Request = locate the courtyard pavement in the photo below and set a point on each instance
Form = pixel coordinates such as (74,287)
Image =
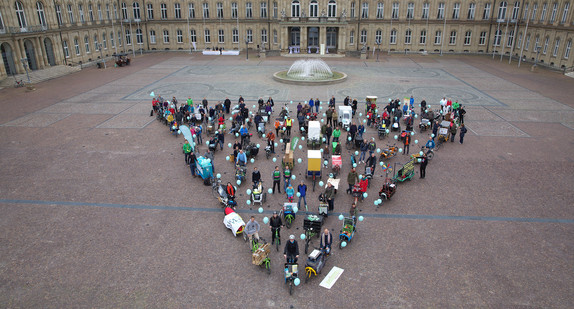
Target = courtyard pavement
(99,209)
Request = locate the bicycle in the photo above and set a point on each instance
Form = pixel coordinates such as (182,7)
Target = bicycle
(277,239)
(255,245)
(288,215)
(18,83)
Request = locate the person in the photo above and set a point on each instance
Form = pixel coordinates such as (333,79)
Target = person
(407,142)
(412,102)
(423,166)
(192,160)
(337,150)
(271,141)
(198,131)
(241,158)
(364,147)
(372,163)
(186,151)
(353,212)
(311,104)
(209,155)
(288,125)
(291,251)
(423,106)
(227,104)
(221,139)
(329,114)
(286,177)
(346,101)
(352,178)
(330,196)
(290,191)
(332,101)
(277,126)
(372,146)
(237,145)
(275,224)
(336,134)
(435,129)
(452,131)
(204,103)
(461,113)
(463,131)
(430,144)
(302,189)
(270,101)
(252,228)
(335,118)
(244,133)
(328,133)
(255,176)
(277,179)
(326,240)
(317,104)
(230,189)
(354,106)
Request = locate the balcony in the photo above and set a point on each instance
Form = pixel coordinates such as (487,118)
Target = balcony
(29,29)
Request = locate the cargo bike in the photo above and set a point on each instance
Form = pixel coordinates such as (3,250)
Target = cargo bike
(347,231)
(312,225)
(313,166)
(315,263)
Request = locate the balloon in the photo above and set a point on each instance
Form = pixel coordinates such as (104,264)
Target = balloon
(260,210)
(307,117)
(419,160)
(322,120)
(421,153)
(270,191)
(416,116)
(229,145)
(265,220)
(300,146)
(276,144)
(381,163)
(264,135)
(295,209)
(321,107)
(230,118)
(253,105)
(400,150)
(360,114)
(361,218)
(218,176)
(227,158)
(321,149)
(387,131)
(349,138)
(348,129)
(303,137)
(152,94)
(364,121)
(325,162)
(432,135)
(376,202)
(341,217)
(321,183)
(360,176)
(248,191)
(416,141)
(356,153)
(291,102)
(412,133)
(297,281)
(285,117)
(238,182)
(299,160)
(324,115)
(258,146)
(248,202)
(274,159)
(252,160)
(378,150)
(365,195)
(178,131)
(343,244)
(379,201)
(207,143)
(324,139)
(396,137)
(293,177)
(298,194)
(354,164)
(303,236)
(281,140)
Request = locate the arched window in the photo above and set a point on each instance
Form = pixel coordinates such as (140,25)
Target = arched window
(295,9)
(502,10)
(408,36)
(76,46)
(497,37)
(124,10)
(41,15)
(87,44)
(136,9)
(313,9)
(378,36)
(96,44)
(20,14)
(332,9)
(66,50)
(363,36)
(139,36)
(393,37)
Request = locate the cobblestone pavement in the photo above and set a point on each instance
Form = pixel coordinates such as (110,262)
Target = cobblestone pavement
(99,209)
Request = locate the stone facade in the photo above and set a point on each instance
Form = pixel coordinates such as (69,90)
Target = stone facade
(44,33)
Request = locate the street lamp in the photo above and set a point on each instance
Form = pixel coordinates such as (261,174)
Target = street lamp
(101,55)
(378,42)
(25,64)
(247,48)
(537,49)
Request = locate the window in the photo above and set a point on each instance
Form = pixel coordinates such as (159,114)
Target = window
(295,9)
(332,9)
(206,11)
(380,10)
(393,37)
(440,13)
(128,37)
(149,11)
(263,10)
(515,11)
(58,15)
(207,36)
(104,42)
(527,42)
(363,36)
(66,51)
(21,15)
(410,10)
(112,39)
(100,15)
(177,10)
(115,11)
(352,13)
(423,37)
(178,36)
(452,38)
(263,35)
(139,36)
(235,36)
(426,7)
(467,36)
(41,15)
(486,12)
(534,9)
(221,36)
(108,16)
(456,11)
(497,37)
(152,36)
(565,15)
(96,45)
(70,13)
(471,10)
(124,11)
(408,36)
(437,37)
(275,36)
(510,38)
(87,44)
(275,10)
(556,46)
(536,43)
(136,10)
(519,39)
(248,10)
(90,12)
(525,15)
(165,37)
(193,36)
(249,35)
(163,10)
(482,38)
(81,12)
(502,10)
(352,37)
(395,11)
(553,14)
(220,9)
(378,36)
(545,49)
(365,10)
(119,38)
(76,46)
(543,13)
(567,51)
(234,10)
(313,9)
(191,10)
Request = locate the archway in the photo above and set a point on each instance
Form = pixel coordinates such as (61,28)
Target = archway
(8,59)
(30,54)
(49,51)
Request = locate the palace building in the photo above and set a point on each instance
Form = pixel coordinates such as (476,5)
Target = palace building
(42,33)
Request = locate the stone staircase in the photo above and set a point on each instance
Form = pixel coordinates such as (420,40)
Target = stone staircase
(40,75)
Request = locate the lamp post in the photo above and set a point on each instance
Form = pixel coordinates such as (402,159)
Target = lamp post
(25,64)
(247,48)
(101,55)
(378,42)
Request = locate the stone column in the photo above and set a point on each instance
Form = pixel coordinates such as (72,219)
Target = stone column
(342,40)
(19,53)
(39,53)
(303,39)
(323,36)
(284,40)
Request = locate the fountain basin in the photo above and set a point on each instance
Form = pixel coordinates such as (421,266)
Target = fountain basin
(337,77)
(309,72)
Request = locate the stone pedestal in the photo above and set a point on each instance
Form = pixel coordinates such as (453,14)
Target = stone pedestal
(363,55)
(262,54)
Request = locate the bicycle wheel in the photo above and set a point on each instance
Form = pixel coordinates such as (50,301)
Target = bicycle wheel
(349,145)
(306,245)
(215,191)
(430,155)
(290,287)
(276,243)
(268,266)
(288,221)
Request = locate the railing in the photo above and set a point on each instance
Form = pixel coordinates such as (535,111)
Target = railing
(28,29)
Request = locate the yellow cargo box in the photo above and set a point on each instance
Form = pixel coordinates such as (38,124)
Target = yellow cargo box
(313,160)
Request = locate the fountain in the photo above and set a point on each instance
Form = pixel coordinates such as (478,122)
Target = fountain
(310,72)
